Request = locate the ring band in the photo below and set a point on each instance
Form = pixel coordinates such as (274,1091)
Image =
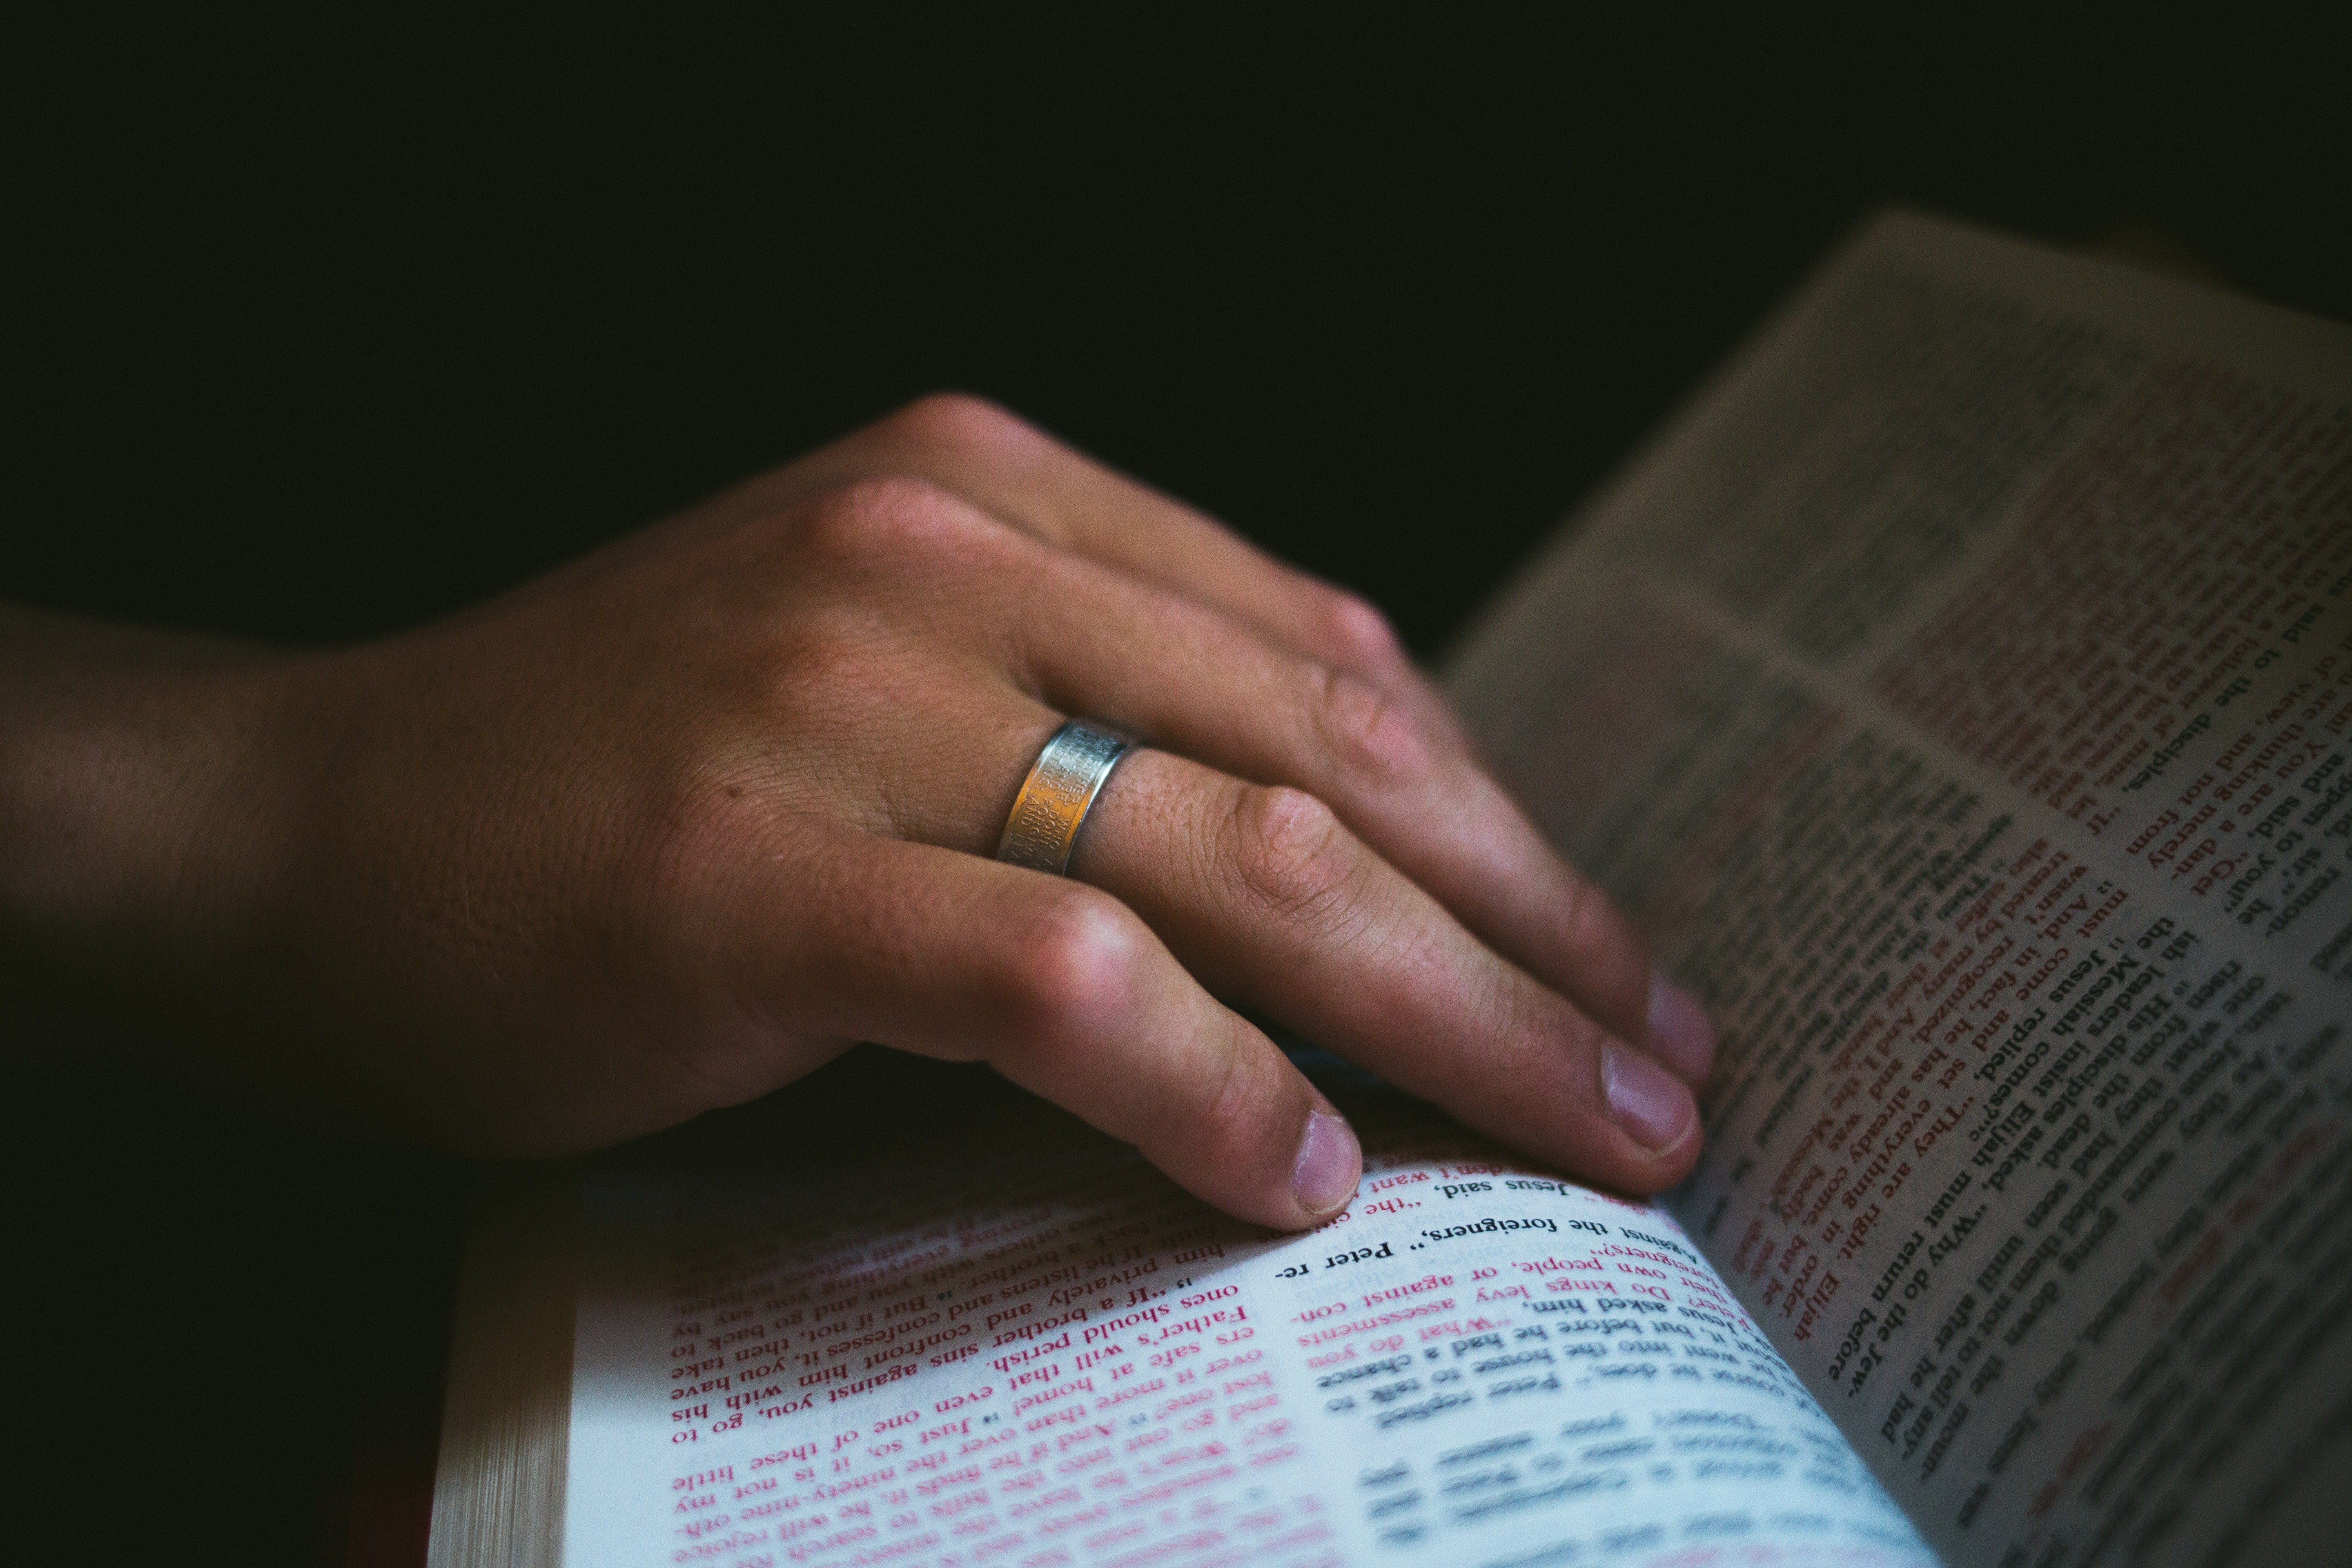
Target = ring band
(1054,798)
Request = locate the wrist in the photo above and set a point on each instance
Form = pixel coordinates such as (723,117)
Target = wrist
(139,781)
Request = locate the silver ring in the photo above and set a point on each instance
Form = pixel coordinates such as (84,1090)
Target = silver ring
(1063,783)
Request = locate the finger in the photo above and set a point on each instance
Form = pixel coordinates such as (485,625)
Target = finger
(1266,896)
(1010,469)
(1207,689)
(1058,987)
(1095,640)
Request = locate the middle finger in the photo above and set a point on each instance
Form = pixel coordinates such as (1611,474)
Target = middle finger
(1212,689)
(1263,893)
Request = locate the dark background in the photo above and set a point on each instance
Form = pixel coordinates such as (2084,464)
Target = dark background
(313,332)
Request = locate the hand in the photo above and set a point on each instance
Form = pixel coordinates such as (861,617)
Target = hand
(679,824)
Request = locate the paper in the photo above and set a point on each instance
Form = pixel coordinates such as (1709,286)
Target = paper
(1058,1357)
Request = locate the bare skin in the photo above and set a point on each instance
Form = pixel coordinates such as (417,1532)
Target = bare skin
(680,823)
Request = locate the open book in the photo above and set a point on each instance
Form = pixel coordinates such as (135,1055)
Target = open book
(1960,696)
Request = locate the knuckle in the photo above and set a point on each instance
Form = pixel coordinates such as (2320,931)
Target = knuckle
(887,518)
(1590,923)
(1367,732)
(958,423)
(1355,626)
(1079,958)
(1287,850)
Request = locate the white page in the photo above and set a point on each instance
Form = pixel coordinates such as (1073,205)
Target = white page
(1960,694)
(1048,1354)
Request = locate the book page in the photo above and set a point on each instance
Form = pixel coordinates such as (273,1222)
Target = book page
(1032,1349)
(1961,697)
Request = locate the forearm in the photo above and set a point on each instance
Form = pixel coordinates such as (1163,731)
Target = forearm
(135,804)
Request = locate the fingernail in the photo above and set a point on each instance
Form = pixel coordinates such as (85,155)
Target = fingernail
(1681,1034)
(1330,1162)
(1650,1103)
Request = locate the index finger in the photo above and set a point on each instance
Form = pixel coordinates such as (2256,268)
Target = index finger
(1023,476)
